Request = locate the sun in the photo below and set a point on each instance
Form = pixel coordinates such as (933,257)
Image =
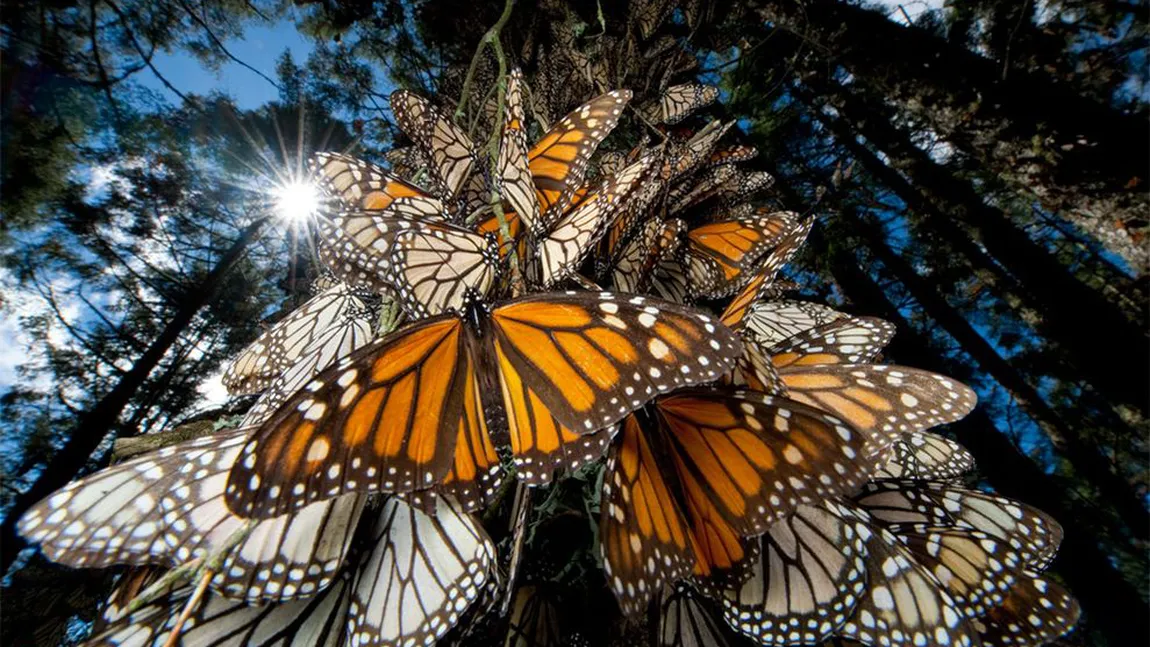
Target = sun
(296,201)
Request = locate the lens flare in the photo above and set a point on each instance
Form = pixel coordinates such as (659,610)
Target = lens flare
(296,201)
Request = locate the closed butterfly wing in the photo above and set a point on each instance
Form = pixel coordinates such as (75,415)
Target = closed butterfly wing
(976,569)
(774,321)
(515,180)
(687,195)
(448,147)
(722,257)
(696,151)
(883,402)
(1034,534)
(669,280)
(679,101)
(733,155)
(854,340)
(903,603)
(319,621)
(336,341)
(593,358)
(643,533)
(361,186)
(258,365)
(925,456)
(384,419)
(348,261)
(421,575)
(806,581)
(685,620)
(434,267)
(575,234)
(166,508)
(658,240)
(558,161)
(1037,611)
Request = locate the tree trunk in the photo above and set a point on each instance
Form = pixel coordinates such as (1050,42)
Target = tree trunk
(98,421)
(1079,156)
(1080,452)
(1076,316)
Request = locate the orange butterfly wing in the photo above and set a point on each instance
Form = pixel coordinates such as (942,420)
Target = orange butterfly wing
(385,419)
(755,458)
(643,533)
(882,402)
(558,161)
(591,358)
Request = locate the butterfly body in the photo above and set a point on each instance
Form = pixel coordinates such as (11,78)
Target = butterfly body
(391,416)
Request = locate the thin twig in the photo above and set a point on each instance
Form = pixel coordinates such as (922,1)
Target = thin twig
(193,602)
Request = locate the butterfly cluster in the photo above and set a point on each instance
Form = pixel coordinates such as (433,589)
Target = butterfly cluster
(563,308)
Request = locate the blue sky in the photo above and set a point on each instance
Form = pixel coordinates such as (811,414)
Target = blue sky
(260,46)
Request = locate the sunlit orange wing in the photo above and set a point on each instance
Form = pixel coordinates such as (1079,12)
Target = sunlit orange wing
(853,340)
(385,419)
(643,533)
(591,358)
(364,186)
(558,161)
(755,458)
(883,402)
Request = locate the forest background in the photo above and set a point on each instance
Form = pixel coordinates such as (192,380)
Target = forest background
(979,169)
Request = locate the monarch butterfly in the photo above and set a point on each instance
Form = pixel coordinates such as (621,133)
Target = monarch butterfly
(450,150)
(688,195)
(686,621)
(733,155)
(362,186)
(633,216)
(558,161)
(678,101)
(773,321)
(534,618)
(337,340)
(682,488)
(1035,612)
(883,402)
(564,248)
(1033,533)
(669,279)
(567,364)
(722,256)
(658,240)
(697,149)
(853,340)
(166,508)
(432,267)
(903,603)
(515,182)
(258,365)
(926,456)
(744,185)
(417,574)
(974,568)
(806,580)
